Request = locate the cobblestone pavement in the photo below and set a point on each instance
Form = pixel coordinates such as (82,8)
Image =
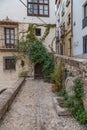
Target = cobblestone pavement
(33,109)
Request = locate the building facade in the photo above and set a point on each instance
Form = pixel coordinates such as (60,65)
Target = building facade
(64,27)
(15,17)
(80,28)
(71,28)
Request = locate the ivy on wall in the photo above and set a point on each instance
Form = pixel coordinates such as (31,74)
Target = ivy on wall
(38,54)
(35,50)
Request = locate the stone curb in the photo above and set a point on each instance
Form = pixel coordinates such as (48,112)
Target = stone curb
(59,110)
(8,95)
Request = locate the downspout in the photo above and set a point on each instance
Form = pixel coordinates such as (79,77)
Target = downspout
(72,25)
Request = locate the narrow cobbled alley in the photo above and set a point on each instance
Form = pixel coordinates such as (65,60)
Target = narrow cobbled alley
(33,109)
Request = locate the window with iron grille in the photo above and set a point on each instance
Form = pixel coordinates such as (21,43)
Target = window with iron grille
(38,8)
(9,63)
(9,37)
(38,31)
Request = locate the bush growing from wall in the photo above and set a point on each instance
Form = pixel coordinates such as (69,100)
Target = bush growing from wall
(75,102)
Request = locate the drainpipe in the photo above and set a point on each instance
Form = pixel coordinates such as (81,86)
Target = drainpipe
(72,24)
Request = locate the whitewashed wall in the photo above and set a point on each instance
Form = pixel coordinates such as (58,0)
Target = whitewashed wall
(78,31)
(15,10)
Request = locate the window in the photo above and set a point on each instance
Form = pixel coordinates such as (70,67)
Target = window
(85,44)
(9,63)
(38,32)
(85,10)
(9,37)
(38,8)
(68,19)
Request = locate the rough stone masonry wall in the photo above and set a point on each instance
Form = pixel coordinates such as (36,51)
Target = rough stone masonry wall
(8,95)
(78,67)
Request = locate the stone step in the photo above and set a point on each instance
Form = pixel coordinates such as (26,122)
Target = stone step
(60,111)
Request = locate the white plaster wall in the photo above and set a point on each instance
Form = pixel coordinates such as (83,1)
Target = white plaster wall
(78,31)
(15,10)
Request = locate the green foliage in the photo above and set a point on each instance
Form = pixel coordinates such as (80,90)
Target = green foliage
(78,89)
(23,74)
(26,40)
(75,102)
(38,54)
(63,93)
(58,75)
(71,74)
(34,49)
(81,116)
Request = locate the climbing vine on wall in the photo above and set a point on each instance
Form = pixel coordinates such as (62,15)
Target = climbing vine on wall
(38,54)
(31,37)
(35,50)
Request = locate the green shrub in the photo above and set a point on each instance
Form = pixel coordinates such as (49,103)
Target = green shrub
(81,116)
(23,74)
(58,75)
(39,54)
(70,74)
(75,102)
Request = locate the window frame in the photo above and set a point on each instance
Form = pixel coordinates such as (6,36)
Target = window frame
(38,14)
(69,19)
(10,44)
(85,44)
(11,66)
(85,6)
(36,32)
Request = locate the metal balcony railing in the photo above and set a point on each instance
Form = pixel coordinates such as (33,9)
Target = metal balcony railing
(3,45)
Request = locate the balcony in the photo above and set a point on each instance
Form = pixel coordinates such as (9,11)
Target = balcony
(84,22)
(7,47)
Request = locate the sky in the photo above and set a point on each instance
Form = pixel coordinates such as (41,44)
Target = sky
(10,8)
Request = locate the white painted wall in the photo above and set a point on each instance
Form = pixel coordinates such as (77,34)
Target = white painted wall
(15,10)
(78,31)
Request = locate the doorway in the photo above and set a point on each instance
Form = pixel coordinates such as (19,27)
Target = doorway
(38,71)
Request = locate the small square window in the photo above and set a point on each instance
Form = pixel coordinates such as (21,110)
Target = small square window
(9,63)
(38,31)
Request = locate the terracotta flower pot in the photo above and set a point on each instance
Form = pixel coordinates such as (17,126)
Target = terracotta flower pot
(54,88)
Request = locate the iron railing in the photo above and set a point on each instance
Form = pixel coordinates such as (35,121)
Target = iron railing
(3,45)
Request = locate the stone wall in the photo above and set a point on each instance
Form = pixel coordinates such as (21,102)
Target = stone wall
(78,67)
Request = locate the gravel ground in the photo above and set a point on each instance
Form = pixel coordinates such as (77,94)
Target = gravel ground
(33,110)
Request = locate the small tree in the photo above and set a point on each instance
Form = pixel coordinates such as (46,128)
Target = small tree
(58,75)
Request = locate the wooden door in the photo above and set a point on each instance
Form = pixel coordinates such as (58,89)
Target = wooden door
(38,71)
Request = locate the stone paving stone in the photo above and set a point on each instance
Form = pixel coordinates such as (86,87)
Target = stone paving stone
(33,110)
